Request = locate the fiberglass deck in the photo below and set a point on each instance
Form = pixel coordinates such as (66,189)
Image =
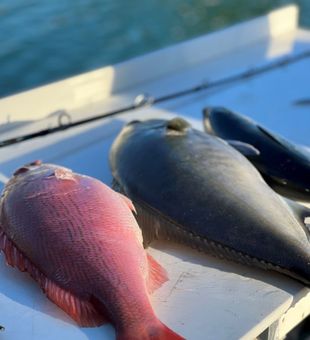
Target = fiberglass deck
(205,298)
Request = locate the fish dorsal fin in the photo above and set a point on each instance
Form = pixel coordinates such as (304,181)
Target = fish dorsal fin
(269,134)
(157,274)
(246,149)
(298,150)
(128,202)
(276,138)
(82,311)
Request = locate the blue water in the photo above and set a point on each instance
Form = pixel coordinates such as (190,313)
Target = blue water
(43,41)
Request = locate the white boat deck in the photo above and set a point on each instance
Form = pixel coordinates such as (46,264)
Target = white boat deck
(205,298)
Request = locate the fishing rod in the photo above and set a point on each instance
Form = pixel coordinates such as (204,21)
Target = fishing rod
(144,100)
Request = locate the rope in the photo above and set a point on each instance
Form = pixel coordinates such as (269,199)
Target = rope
(144,100)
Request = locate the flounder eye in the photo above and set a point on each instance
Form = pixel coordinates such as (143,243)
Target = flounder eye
(178,124)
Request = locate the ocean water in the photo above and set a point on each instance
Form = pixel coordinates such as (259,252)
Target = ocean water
(43,41)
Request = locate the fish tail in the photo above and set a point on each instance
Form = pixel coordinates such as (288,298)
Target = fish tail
(168,334)
(158,332)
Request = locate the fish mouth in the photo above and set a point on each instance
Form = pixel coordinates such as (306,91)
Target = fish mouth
(224,115)
(208,111)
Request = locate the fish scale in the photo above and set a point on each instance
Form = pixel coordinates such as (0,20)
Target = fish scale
(79,240)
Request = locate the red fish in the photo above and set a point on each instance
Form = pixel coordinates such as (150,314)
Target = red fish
(79,240)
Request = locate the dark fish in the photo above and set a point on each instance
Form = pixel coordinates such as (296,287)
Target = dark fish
(194,188)
(80,241)
(302,102)
(285,166)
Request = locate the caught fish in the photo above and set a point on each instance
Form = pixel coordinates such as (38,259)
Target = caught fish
(193,188)
(80,241)
(284,166)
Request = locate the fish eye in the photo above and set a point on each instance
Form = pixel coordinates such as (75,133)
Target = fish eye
(20,170)
(177,124)
(27,167)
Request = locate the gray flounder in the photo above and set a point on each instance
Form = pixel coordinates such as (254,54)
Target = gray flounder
(194,188)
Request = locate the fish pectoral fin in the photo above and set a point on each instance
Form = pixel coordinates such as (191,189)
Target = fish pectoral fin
(246,149)
(82,311)
(157,274)
(271,136)
(128,202)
